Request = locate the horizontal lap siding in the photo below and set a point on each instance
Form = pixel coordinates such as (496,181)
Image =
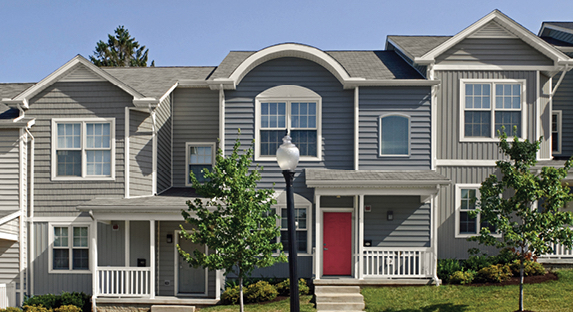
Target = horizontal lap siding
(448,114)
(492,51)
(9,258)
(10,169)
(410,227)
(163,137)
(75,100)
(195,119)
(140,154)
(411,101)
(563,100)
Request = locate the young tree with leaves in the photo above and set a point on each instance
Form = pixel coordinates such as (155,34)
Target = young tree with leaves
(233,218)
(530,220)
(120,50)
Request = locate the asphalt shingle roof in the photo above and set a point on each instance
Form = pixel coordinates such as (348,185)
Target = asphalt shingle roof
(417,46)
(384,177)
(568,25)
(172,199)
(230,63)
(10,90)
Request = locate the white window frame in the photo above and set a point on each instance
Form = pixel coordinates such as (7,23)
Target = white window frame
(380,135)
(288,99)
(187,156)
(491,82)
(83,122)
(70,247)
(559,115)
(278,210)
(458,206)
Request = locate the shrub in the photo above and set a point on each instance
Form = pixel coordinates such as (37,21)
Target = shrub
(284,287)
(461,277)
(476,263)
(34,308)
(495,273)
(505,256)
(48,300)
(78,299)
(447,267)
(68,308)
(260,291)
(11,309)
(530,268)
(231,295)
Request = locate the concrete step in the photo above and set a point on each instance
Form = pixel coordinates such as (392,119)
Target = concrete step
(321,307)
(336,290)
(172,308)
(340,298)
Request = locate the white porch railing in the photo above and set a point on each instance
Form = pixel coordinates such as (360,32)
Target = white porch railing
(397,262)
(7,295)
(123,281)
(559,252)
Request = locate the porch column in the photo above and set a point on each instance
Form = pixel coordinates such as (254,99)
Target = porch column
(94,263)
(434,237)
(127,243)
(152,258)
(356,257)
(319,245)
(361,236)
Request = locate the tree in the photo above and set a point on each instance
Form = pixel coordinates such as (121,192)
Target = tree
(120,51)
(523,225)
(234,219)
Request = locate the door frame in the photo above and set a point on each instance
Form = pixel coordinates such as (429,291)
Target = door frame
(176,271)
(352,238)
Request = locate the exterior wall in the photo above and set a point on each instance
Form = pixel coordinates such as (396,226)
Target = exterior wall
(544,119)
(195,119)
(9,166)
(563,100)
(140,154)
(164,145)
(111,244)
(492,51)
(139,243)
(410,227)
(448,114)
(9,259)
(411,101)
(74,100)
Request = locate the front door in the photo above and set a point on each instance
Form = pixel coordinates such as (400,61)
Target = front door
(337,243)
(190,280)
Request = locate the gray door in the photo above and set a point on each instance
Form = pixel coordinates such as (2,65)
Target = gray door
(190,280)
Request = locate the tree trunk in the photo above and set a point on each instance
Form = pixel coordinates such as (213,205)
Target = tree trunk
(241,302)
(521,266)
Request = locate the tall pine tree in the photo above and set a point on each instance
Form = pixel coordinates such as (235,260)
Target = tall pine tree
(120,50)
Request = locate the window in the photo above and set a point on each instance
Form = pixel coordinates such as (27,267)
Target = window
(288,109)
(556,132)
(70,248)
(199,156)
(394,135)
(487,106)
(301,223)
(466,196)
(83,148)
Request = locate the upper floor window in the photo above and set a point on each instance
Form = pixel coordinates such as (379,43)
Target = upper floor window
(487,106)
(83,148)
(70,250)
(394,135)
(466,197)
(556,132)
(291,109)
(199,156)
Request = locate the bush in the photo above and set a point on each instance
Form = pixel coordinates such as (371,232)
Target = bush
(461,277)
(34,308)
(68,308)
(530,268)
(495,273)
(284,287)
(231,295)
(11,309)
(78,299)
(447,267)
(260,291)
(48,300)
(476,263)
(505,256)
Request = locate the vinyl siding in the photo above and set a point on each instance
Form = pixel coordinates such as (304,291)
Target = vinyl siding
(111,244)
(195,119)
(9,259)
(139,243)
(281,270)
(448,114)
(75,100)
(544,117)
(411,101)
(492,51)
(10,168)
(164,136)
(140,154)
(410,227)
(563,100)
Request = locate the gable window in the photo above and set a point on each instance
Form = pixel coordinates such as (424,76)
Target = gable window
(199,156)
(394,135)
(556,132)
(487,106)
(288,109)
(466,197)
(83,149)
(69,248)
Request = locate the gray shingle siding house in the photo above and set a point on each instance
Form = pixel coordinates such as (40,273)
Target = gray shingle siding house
(394,144)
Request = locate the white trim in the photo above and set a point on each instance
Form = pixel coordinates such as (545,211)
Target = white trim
(352,190)
(356,128)
(10,217)
(176,271)
(430,73)
(70,226)
(168,93)
(538,93)
(299,203)
(353,230)
(153,152)
(126,153)
(457,202)
(492,109)
(380,134)
(94,264)
(554,27)
(152,258)
(559,114)
(221,121)
(62,219)
(318,238)
(83,149)
(495,67)
(466,162)
(360,236)
(196,144)
(392,82)
(127,229)
(10,237)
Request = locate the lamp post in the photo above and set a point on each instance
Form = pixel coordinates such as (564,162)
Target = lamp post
(287,157)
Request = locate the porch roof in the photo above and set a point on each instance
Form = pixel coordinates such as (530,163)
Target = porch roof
(373,178)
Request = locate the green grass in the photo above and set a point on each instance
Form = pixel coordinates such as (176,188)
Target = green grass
(278,306)
(551,296)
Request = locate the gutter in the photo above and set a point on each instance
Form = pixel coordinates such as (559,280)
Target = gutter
(391,82)
(31,253)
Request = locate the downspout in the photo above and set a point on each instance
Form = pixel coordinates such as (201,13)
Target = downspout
(433,112)
(154,151)
(356,128)
(22,206)
(31,248)
(222,119)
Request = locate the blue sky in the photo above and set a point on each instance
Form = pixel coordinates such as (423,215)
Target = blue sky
(37,37)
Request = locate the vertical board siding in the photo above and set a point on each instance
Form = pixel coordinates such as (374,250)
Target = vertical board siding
(53,283)
(140,153)
(544,120)
(448,245)
(139,243)
(75,100)
(10,169)
(410,101)
(563,100)
(448,114)
(410,227)
(195,119)
(111,244)
(492,51)
(163,136)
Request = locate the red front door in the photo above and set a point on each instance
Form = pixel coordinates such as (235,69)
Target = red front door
(337,243)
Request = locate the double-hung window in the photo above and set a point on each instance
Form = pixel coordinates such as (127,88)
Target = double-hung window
(199,156)
(488,106)
(394,135)
(69,248)
(83,148)
(466,197)
(301,224)
(556,132)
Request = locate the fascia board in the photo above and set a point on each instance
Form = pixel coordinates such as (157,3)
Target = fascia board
(10,217)
(192,83)
(226,83)
(145,102)
(392,82)
(384,184)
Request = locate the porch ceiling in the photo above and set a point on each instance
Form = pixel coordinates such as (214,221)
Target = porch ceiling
(317,178)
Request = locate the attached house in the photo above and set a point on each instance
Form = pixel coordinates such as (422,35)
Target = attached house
(394,144)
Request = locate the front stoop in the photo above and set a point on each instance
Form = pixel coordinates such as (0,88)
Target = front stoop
(338,298)
(172,308)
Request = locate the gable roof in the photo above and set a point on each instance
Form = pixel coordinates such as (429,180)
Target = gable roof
(416,46)
(9,115)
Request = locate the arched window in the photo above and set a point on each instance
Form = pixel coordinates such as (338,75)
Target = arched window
(394,135)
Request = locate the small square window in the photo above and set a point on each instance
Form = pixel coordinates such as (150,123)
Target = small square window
(200,156)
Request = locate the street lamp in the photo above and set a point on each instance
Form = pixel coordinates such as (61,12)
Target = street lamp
(287,157)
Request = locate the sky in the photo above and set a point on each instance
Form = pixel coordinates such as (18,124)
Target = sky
(37,37)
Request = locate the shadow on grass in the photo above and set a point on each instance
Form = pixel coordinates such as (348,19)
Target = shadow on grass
(443,307)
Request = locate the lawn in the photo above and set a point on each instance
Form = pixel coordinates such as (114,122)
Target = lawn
(277,306)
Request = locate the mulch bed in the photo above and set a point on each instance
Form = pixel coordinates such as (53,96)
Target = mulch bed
(526,280)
